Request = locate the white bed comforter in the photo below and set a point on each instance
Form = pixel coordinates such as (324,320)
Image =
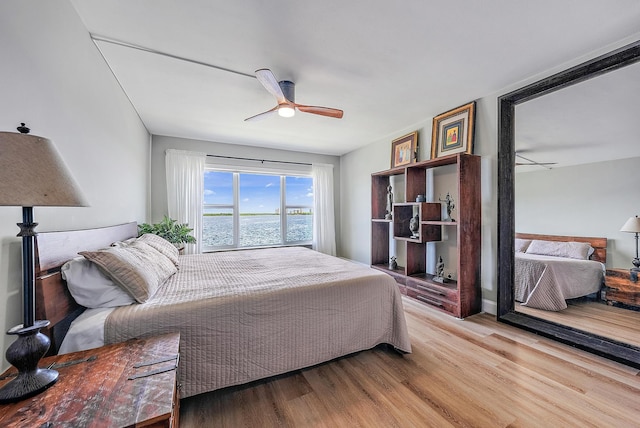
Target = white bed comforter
(545,282)
(246,315)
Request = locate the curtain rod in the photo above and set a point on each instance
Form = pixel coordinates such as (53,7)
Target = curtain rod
(258,160)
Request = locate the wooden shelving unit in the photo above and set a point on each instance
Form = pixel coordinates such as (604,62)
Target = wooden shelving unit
(460,296)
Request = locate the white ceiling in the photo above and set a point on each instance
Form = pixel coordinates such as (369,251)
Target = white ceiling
(592,121)
(388,65)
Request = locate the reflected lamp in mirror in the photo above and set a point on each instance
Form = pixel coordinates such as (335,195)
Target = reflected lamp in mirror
(633,226)
(32,173)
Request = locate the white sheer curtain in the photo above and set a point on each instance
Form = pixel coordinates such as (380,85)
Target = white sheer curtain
(324,230)
(185,190)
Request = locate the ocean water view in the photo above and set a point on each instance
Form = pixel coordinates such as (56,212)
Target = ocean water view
(255,230)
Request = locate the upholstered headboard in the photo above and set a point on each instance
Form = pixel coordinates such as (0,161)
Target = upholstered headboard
(52,250)
(599,244)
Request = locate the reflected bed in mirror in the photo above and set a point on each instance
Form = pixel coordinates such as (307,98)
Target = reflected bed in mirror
(578,120)
(551,270)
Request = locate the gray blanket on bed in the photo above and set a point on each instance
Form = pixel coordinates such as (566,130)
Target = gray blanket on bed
(546,282)
(246,315)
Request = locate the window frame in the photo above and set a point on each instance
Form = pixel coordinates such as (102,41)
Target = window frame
(235,205)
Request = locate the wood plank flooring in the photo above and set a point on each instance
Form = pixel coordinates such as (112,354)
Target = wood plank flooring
(462,373)
(596,317)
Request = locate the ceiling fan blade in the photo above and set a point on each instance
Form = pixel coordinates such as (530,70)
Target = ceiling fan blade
(323,111)
(268,80)
(262,115)
(536,163)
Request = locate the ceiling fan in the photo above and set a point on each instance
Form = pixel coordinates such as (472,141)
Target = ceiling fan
(530,162)
(284,91)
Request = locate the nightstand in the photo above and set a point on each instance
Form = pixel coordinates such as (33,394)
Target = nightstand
(620,288)
(129,384)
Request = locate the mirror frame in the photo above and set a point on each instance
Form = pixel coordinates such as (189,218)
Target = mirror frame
(606,347)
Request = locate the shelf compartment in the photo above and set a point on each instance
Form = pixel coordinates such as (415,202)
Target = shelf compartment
(398,274)
(404,212)
(440,223)
(380,233)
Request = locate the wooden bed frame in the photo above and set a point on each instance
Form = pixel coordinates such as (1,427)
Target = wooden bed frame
(52,250)
(599,244)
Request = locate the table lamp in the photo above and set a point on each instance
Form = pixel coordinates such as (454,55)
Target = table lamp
(633,226)
(32,173)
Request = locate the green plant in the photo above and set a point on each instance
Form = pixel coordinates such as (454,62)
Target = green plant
(170,230)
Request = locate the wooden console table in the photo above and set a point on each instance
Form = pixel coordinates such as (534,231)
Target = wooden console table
(129,384)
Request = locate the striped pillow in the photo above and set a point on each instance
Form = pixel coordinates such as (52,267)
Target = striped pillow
(162,245)
(138,268)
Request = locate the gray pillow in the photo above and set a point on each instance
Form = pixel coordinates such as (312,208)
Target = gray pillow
(572,250)
(522,245)
(162,245)
(137,268)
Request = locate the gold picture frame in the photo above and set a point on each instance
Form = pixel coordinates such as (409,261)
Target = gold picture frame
(452,131)
(404,150)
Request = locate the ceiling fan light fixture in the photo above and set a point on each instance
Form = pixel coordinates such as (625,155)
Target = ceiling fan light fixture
(286,111)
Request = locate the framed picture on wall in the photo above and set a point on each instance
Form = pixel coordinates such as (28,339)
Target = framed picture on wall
(404,150)
(453,130)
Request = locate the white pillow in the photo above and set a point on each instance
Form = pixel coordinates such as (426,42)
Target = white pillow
(522,245)
(572,250)
(90,287)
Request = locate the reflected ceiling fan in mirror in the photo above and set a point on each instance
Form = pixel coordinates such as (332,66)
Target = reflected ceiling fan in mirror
(530,162)
(284,91)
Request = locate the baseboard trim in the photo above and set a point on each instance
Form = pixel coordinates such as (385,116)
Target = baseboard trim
(489,306)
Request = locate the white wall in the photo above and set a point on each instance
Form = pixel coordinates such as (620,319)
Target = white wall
(53,78)
(357,166)
(160,144)
(585,200)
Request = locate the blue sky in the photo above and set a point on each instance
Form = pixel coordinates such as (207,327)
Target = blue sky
(258,193)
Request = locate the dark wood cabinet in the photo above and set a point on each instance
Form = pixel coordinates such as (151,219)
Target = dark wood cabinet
(460,240)
(129,384)
(620,288)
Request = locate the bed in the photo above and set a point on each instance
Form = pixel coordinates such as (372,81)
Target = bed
(551,269)
(242,315)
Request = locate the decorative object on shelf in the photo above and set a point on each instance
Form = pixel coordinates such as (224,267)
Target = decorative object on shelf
(633,226)
(389,214)
(421,198)
(453,131)
(439,277)
(404,150)
(32,173)
(449,205)
(414,226)
(393,264)
(170,230)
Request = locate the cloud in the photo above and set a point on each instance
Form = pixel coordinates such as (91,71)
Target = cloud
(245,200)
(310,194)
(269,185)
(208,192)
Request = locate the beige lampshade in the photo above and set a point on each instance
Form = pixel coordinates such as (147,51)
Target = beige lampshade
(32,173)
(632,225)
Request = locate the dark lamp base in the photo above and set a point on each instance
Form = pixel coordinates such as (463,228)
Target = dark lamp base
(24,354)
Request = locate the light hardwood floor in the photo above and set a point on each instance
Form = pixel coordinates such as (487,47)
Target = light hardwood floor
(462,373)
(595,317)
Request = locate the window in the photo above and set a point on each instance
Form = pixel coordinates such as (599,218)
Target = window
(243,210)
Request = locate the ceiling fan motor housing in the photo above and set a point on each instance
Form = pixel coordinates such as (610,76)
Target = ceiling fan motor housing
(288,89)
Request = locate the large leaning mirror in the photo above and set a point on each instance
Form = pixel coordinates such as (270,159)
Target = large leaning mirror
(559,139)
